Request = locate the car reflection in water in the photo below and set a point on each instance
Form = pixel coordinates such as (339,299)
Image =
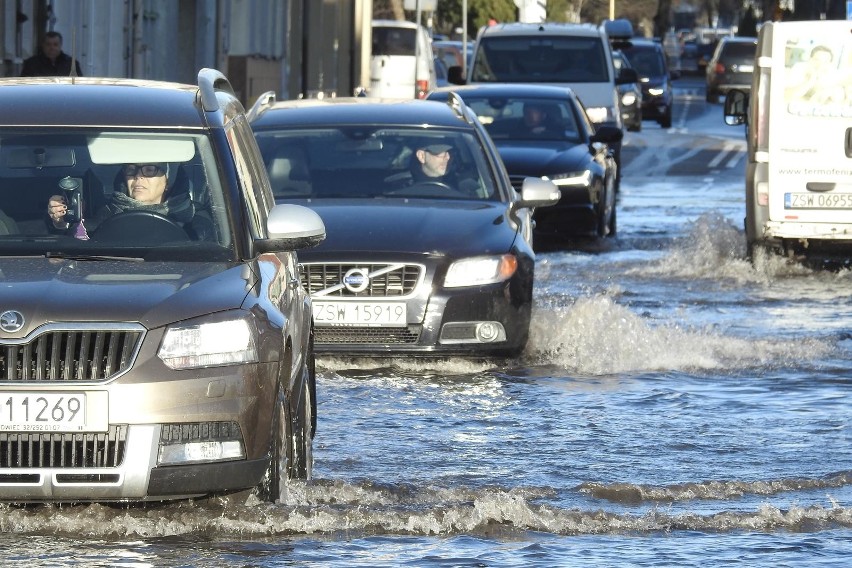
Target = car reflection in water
(427,266)
(565,149)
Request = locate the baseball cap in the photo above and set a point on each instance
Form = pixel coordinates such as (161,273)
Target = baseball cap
(435,148)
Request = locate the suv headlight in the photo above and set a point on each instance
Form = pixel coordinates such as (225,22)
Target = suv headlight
(582,178)
(601,114)
(656,91)
(628,99)
(481,270)
(209,344)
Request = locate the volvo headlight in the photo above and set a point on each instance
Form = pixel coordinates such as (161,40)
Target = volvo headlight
(628,99)
(209,344)
(481,270)
(583,178)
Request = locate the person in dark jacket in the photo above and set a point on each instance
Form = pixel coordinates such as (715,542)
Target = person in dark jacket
(51,61)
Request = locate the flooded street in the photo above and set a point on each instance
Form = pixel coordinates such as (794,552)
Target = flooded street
(676,406)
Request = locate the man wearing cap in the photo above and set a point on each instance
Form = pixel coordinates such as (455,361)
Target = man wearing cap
(432,163)
(149,187)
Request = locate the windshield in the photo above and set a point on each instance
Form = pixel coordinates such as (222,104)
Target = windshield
(549,59)
(375,162)
(519,119)
(124,194)
(647,60)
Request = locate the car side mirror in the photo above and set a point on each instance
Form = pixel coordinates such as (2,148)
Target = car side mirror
(607,134)
(455,75)
(736,107)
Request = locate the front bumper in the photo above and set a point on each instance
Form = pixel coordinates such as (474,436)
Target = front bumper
(121,465)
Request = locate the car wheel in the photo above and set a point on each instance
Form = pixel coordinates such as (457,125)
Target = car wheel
(636,127)
(712,96)
(269,489)
(666,121)
(613,224)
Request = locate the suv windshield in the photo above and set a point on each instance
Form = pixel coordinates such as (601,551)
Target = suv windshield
(372,162)
(126,194)
(554,59)
(647,60)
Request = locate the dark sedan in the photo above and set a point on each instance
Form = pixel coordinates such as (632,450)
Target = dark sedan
(568,151)
(412,263)
(649,59)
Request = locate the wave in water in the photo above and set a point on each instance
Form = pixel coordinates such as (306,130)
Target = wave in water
(628,493)
(341,508)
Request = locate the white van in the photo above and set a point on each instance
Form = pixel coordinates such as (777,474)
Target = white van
(799,121)
(401,62)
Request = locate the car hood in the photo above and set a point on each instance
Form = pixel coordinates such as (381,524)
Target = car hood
(412,226)
(150,293)
(538,159)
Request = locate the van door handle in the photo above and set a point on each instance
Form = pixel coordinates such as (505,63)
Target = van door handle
(849,142)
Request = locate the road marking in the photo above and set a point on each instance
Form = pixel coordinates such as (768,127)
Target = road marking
(726,149)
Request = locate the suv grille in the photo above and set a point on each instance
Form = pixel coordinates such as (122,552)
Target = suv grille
(385,280)
(68,355)
(54,450)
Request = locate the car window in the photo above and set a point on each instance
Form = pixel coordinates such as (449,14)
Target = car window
(738,50)
(87,169)
(370,162)
(393,40)
(555,59)
(503,118)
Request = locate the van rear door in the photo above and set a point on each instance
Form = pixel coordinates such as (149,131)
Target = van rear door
(809,138)
(398,54)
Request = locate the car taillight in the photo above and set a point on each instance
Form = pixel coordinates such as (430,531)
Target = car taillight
(422,89)
(720,68)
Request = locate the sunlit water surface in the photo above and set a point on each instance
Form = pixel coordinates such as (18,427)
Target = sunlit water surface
(676,406)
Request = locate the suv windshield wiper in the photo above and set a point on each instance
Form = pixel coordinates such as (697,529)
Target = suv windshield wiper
(78,256)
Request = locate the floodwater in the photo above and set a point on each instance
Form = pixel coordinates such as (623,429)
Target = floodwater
(677,406)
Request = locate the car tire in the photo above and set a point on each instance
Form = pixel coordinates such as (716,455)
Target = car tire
(712,97)
(613,223)
(637,127)
(666,120)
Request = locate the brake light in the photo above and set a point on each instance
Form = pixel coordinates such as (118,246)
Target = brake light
(422,89)
(720,68)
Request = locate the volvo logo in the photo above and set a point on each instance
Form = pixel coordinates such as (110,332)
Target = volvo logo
(356,280)
(11,321)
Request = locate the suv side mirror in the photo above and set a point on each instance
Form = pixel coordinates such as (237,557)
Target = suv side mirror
(455,75)
(626,75)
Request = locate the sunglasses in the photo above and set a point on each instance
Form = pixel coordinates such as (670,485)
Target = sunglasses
(147,170)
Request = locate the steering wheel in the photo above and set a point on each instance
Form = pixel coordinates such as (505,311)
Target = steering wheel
(139,225)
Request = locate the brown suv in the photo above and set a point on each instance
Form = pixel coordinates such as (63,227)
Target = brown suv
(155,342)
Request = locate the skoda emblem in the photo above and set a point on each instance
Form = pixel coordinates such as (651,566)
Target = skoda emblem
(11,321)
(356,280)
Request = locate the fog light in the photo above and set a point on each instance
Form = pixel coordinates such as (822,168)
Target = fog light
(488,331)
(472,332)
(200,442)
(200,452)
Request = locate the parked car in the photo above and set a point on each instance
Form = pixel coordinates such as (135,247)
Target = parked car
(413,264)
(629,95)
(566,149)
(731,66)
(649,60)
(401,61)
(159,351)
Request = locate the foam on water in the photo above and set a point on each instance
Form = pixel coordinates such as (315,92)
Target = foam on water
(343,508)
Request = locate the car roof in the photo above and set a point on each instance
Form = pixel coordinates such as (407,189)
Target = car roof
(510,90)
(644,42)
(100,102)
(356,110)
(544,28)
(395,24)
